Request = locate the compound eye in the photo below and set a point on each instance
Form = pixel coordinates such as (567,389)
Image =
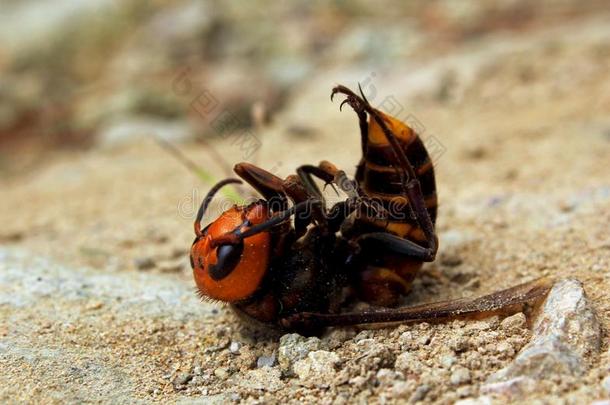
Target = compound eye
(228,257)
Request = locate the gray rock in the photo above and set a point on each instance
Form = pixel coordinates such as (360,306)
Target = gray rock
(566,336)
(266,361)
(294,347)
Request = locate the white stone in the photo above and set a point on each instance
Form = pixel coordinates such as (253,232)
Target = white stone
(566,336)
(318,368)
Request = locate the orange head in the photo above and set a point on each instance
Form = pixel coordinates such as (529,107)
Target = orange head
(226,266)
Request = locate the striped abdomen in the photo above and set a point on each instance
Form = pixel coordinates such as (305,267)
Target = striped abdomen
(379,177)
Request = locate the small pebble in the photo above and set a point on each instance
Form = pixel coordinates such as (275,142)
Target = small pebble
(183,378)
(505,349)
(598,267)
(319,367)
(401,389)
(408,341)
(458,343)
(221,373)
(294,347)
(460,375)
(362,335)
(448,360)
(197,381)
(266,361)
(234,347)
(359,381)
(514,323)
(407,362)
(424,339)
(420,393)
(386,376)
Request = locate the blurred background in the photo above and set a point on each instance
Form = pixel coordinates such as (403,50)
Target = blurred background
(512,98)
(76,75)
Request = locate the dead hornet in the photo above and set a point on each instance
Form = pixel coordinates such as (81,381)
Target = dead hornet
(290,261)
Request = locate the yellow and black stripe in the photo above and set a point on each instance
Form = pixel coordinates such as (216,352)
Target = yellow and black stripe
(380,177)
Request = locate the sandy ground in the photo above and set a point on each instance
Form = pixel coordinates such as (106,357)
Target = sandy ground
(524,189)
